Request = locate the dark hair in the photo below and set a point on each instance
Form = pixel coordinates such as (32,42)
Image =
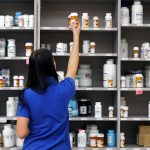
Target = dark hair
(41,66)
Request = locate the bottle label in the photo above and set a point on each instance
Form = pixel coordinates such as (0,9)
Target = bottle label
(83,110)
(93,142)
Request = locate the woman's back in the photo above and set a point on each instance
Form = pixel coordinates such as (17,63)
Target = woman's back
(48,114)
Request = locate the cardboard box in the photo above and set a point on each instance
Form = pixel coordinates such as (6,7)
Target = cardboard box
(147,140)
(144,130)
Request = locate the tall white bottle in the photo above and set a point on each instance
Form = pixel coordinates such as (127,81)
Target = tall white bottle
(82,139)
(11,107)
(124,48)
(98,110)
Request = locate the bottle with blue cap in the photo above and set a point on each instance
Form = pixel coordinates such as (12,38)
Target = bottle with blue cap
(18,13)
(111,138)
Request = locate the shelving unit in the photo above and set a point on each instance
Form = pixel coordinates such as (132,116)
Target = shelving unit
(51,27)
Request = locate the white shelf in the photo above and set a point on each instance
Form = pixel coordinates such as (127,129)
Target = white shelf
(131,26)
(136,118)
(135,59)
(135,147)
(95,89)
(11,88)
(14,58)
(89,29)
(135,89)
(92,119)
(15,29)
(12,148)
(89,55)
(88,148)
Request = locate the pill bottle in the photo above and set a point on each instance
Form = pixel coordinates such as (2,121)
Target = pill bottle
(122,140)
(31,21)
(28,48)
(60,48)
(95,22)
(93,140)
(86,46)
(2,21)
(11,48)
(8,136)
(126,109)
(74,20)
(92,47)
(21,21)
(108,20)
(124,48)
(1,81)
(139,80)
(16,103)
(8,21)
(111,138)
(85,20)
(122,111)
(11,107)
(69,20)
(71,46)
(123,81)
(111,111)
(16,81)
(98,110)
(17,14)
(136,52)
(125,17)
(82,138)
(21,81)
(26,20)
(100,140)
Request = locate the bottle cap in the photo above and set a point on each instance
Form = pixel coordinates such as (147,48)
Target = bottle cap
(21,77)
(28,44)
(15,77)
(95,18)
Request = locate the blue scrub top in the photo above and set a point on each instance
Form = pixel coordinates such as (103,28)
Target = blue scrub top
(48,114)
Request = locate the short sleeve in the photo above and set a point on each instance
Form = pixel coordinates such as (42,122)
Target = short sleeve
(23,111)
(67,87)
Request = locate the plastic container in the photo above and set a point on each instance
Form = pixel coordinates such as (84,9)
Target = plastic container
(100,140)
(137,12)
(126,109)
(74,20)
(81,139)
(16,81)
(123,81)
(2,21)
(108,20)
(31,21)
(26,20)
(125,18)
(95,22)
(17,14)
(98,110)
(2,48)
(136,52)
(122,140)
(85,20)
(93,140)
(8,136)
(85,76)
(139,80)
(111,111)
(109,70)
(21,81)
(60,48)
(124,48)
(8,21)
(92,47)
(86,46)
(111,138)
(11,107)
(11,49)
(21,21)
(29,49)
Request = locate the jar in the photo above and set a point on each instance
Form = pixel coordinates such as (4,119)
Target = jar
(93,140)
(85,20)
(74,20)
(95,22)
(31,21)
(2,21)
(122,140)
(69,20)
(11,49)
(17,18)
(111,111)
(111,138)
(139,80)
(100,140)
(21,21)
(16,81)
(85,76)
(26,20)
(123,81)
(71,46)
(1,81)
(108,20)
(92,47)
(86,46)
(84,107)
(122,111)
(21,81)
(29,48)
(8,136)
(126,111)
(136,52)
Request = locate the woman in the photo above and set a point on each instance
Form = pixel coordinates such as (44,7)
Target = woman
(42,116)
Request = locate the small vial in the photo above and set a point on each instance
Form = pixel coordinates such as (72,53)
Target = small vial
(136,52)
(16,81)
(111,111)
(95,22)
(92,47)
(21,81)
(108,20)
(74,20)
(29,48)
(123,81)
